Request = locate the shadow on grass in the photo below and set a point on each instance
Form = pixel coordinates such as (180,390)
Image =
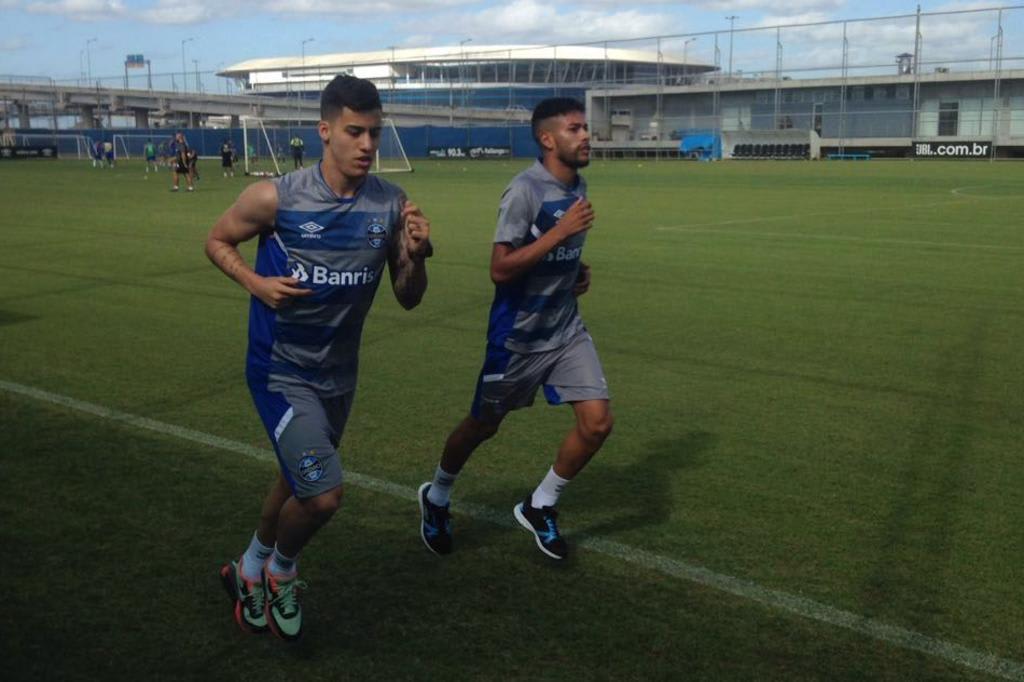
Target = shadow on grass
(639,494)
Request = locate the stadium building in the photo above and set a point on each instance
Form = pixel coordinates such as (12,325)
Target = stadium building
(491,76)
(877,115)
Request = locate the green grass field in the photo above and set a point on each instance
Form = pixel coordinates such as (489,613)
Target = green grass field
(816,471)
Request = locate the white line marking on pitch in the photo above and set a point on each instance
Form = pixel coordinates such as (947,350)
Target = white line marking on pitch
(840,238)
(745,589)
(959,192)
(814,214)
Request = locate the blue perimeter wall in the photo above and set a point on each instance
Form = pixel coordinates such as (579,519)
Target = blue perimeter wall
(416,140)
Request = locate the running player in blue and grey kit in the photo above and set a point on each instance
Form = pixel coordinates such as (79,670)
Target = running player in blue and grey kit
(535,337)
(325,233)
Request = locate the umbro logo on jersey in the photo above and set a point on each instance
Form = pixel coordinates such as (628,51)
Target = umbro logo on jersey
(311,229)
(559,213)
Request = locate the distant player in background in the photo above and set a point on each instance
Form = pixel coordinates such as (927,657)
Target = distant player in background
(227,158)
(97,154)
(165,153)
(108,153)
(150,152)
(182,163)
(325,233)
(298,147)
(193,163)
(535,337)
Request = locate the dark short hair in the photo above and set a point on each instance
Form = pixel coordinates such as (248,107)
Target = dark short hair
(551,107)
(348,91)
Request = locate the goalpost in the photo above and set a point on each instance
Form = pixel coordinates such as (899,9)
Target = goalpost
(68,145)
(128,145)
(391,156)
(258,146)
(262,145)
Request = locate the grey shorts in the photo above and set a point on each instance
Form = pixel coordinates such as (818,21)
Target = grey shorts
(305,430)
(509,381)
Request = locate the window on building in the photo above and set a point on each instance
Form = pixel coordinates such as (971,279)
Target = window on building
(949,118)
(902,92)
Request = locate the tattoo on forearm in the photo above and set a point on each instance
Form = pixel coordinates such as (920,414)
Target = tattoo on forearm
(229,260)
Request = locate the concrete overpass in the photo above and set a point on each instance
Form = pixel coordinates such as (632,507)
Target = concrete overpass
(90,104)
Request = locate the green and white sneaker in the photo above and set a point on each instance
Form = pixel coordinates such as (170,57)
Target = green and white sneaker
(283,613)
(248,598)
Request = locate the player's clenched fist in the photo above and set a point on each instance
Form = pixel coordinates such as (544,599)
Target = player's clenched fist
(277,292)
(417,231)
(578,218)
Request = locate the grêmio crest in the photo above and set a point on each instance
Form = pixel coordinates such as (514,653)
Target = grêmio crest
(376,233)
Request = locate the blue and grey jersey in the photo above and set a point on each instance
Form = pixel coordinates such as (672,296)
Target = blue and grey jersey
(537,312)
(337,247)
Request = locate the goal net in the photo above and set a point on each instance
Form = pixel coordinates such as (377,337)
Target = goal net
(68,146)
(131,146)
(391,156)
(262,148)
(267,151)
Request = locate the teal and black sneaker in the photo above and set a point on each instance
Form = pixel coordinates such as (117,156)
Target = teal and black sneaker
(284,615)
(435,524)
(543,523)
(247,596)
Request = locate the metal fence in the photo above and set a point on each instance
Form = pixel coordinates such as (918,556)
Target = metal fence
(925,74)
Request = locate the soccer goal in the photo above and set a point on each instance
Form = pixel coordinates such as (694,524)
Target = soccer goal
(391,156)
(261,148)
(128,146)
(68,146)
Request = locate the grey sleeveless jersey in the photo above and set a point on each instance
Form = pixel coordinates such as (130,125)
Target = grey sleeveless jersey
(337,248)
(537,312)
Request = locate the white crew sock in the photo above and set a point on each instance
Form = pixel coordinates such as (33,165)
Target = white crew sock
(546,494)
(440,489)
(254,558)
(281,565)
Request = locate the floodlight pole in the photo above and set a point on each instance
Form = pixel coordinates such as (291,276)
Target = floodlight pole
(918,46)
(462,67)
(996,86)
(299,87)
(184,68)
(732,22)
(88,59)
(778,77)
(685,62)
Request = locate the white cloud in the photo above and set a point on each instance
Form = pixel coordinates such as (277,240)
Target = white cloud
(347,7)
(792,6)
(185,11)
(948,40)
(81,10)
(535,22)
(13,44)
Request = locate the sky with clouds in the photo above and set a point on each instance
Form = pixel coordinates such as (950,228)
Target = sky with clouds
(50,37)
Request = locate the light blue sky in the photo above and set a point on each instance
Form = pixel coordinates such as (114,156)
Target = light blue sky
(49,37)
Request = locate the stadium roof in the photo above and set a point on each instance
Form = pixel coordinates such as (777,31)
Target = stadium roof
(479,53)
